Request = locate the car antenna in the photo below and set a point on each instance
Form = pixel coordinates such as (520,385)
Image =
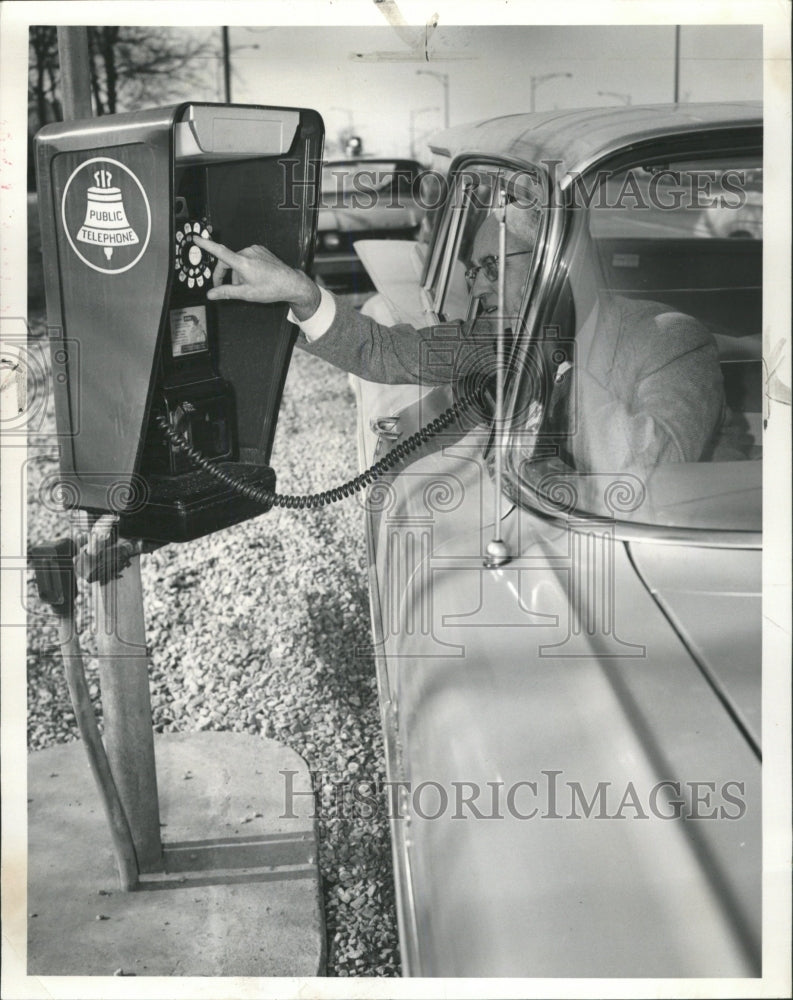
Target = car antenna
(497,551)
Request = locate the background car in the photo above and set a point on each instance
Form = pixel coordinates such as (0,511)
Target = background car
(363,198)
(737,220)
(574,729)
(668,203)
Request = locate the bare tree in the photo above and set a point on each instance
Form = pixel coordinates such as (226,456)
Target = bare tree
(104,73)
(134,67)
(130,67)
(43,74)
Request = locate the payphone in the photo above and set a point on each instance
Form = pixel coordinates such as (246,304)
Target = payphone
(142,362)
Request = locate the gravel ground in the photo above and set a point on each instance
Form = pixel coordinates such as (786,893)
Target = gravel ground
(258,629)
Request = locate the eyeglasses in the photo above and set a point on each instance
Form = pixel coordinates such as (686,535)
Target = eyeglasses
(489,265)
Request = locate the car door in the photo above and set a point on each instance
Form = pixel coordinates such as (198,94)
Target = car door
(444,487)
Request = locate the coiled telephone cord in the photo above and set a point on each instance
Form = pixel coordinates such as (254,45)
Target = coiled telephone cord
(269,498)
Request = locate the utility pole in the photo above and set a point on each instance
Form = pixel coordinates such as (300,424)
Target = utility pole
(226,64)
(226,60)
(677,64)
(75,83)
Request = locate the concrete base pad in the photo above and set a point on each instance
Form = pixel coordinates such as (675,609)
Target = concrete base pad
(239,894)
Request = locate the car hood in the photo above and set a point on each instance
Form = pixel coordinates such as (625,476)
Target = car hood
(712,598)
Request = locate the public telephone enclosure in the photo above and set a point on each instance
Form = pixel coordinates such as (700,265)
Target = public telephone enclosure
(133,337)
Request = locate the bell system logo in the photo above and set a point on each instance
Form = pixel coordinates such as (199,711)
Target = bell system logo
(105,210)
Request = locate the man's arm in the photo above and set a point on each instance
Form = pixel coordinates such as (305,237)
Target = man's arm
(331,329)
(395,355)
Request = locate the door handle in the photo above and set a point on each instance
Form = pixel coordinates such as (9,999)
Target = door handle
(386,427)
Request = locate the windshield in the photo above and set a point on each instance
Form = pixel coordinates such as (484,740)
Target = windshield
(641,396)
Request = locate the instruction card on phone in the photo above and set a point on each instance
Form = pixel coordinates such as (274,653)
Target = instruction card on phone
(188,330)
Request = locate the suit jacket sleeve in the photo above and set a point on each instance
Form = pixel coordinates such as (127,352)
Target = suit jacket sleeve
(401,354)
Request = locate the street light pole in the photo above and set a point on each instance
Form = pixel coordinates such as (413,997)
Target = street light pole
(444,79)
(535,81)
(413,116)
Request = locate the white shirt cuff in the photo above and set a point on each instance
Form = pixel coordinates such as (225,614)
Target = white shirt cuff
(319,322)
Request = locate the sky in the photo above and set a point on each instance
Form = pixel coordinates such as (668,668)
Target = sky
(489,71)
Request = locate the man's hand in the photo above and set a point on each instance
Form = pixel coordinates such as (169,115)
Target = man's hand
(259,276)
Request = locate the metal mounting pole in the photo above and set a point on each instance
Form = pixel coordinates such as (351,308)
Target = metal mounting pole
(126,707)
(53,562)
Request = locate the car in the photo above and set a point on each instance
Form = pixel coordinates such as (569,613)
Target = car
(363,198)
(569,649)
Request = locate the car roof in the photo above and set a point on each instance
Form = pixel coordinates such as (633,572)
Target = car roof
(579,138)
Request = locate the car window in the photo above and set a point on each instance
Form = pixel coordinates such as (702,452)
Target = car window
(648,401)
(478,201)
(465,279)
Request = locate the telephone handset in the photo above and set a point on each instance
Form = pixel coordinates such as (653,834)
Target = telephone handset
(267,496)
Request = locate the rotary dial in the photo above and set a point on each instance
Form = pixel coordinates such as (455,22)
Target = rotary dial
(192,264)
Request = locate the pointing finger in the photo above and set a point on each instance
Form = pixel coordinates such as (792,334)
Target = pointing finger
(222,253)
